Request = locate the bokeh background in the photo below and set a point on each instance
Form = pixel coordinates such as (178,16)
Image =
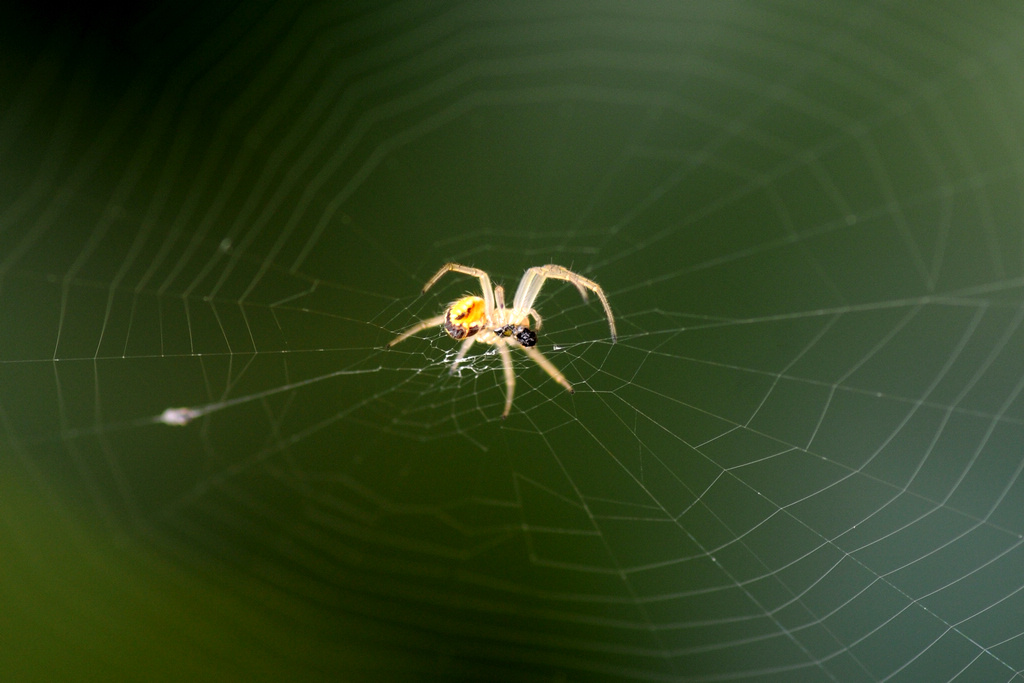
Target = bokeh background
(801,461)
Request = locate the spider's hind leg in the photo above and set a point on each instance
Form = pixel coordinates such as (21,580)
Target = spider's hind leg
(418,327)
(460,355)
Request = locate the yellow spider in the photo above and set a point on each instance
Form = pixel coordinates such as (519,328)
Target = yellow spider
(485,319)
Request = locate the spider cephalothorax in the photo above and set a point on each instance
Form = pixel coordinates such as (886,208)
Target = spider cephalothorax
(522,334)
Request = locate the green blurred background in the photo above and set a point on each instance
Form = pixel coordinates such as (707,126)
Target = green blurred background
(800,462)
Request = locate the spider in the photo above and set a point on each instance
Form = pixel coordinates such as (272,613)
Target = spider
(487,320)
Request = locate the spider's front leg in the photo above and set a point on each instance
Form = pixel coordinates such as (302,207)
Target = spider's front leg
(534,279)
(548,367)
(510,377)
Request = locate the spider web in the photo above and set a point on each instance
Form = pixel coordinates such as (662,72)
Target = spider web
(800,461)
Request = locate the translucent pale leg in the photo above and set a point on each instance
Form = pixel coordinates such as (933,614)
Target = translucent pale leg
(510,378)
(499,297)
(485,282)
(548,367)
(536,319)
(503,316)
(533,280)
(461,354)
(418,327)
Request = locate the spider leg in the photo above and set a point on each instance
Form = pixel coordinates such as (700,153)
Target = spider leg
(510,377)
(461,354)
(418,327)
(548,367)
(534,278)
(485,281)
(499,297)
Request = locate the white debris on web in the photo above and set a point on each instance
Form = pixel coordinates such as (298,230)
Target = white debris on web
(178,417)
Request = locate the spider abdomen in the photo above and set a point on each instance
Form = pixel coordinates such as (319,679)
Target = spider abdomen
(465,317)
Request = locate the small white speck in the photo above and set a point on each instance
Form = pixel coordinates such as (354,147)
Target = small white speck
(178,417)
